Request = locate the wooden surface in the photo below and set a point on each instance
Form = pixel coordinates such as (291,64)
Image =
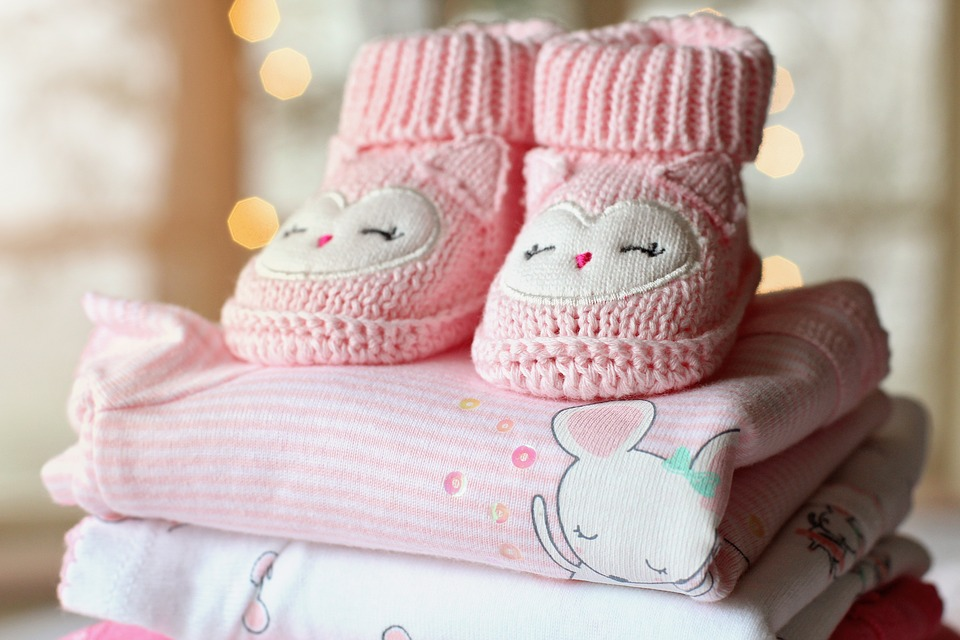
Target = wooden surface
(30,554)
(197,260)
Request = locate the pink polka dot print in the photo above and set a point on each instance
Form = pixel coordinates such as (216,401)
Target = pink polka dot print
(455,483)
(524,457)
(499,513)
(510,552)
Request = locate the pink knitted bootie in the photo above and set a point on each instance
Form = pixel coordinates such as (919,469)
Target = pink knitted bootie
(391,260)
(633,268)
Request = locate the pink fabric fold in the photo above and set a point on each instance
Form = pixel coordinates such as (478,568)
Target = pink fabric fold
(113,631)
(427,458)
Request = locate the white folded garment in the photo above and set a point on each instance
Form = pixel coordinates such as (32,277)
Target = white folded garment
(192,583)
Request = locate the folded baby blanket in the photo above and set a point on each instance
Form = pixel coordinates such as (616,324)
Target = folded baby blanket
(427,458)
(193,582)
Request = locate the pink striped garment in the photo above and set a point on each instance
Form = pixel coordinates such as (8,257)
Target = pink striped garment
(427,458)
(195,583)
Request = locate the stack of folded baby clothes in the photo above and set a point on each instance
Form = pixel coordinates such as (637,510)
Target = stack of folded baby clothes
(333,462)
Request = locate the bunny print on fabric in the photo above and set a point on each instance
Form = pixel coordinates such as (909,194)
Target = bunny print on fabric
(836,532)
(256,619)
(610,502)
(395,632)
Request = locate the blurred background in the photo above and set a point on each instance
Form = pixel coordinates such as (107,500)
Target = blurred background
(146,147)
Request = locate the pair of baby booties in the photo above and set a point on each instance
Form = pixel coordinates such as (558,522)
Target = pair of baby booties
(571,199)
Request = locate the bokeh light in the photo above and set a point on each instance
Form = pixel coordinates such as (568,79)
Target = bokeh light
(285,74)
(253,222)
(779,274)
(782,91)
(254,20)
(780,152)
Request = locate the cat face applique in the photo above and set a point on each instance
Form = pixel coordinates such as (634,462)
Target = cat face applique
(329,237)
(565,255)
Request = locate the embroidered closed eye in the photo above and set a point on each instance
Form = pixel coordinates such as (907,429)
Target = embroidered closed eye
(652,249)
(292,230)
(581,534)
(392,234)
(535,249)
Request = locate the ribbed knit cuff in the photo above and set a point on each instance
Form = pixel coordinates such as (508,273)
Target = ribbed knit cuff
(439,85)
(693,83)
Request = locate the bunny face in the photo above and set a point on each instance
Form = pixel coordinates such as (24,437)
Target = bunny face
(329,238)
(632,517)
(566,255)
(610,519)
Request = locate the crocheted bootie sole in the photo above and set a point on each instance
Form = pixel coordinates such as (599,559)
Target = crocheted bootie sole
(590,368)
(298,338)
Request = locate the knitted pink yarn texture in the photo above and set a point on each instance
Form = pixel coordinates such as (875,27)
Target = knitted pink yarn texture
(634,267)
(391,260)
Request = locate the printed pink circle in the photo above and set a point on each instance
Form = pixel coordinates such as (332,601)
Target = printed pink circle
(505,425)
(524,457)
(455,483)
(499,513)
(510,552)
(469,404)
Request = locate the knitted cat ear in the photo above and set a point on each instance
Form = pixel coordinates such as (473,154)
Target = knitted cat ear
(708,182)
(543,170)
(474,171)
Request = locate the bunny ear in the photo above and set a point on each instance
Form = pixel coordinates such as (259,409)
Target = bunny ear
(711,183)
(710,457)
(256,618)
(475,171)
(262,567)
(604,429)
(396,632)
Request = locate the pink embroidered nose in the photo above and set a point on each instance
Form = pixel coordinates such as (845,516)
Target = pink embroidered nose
(322,240)
(583,259)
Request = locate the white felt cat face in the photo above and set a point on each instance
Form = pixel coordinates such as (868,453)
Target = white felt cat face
(329,238)
(563,255)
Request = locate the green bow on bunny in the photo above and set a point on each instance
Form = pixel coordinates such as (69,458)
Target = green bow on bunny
(703,482)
